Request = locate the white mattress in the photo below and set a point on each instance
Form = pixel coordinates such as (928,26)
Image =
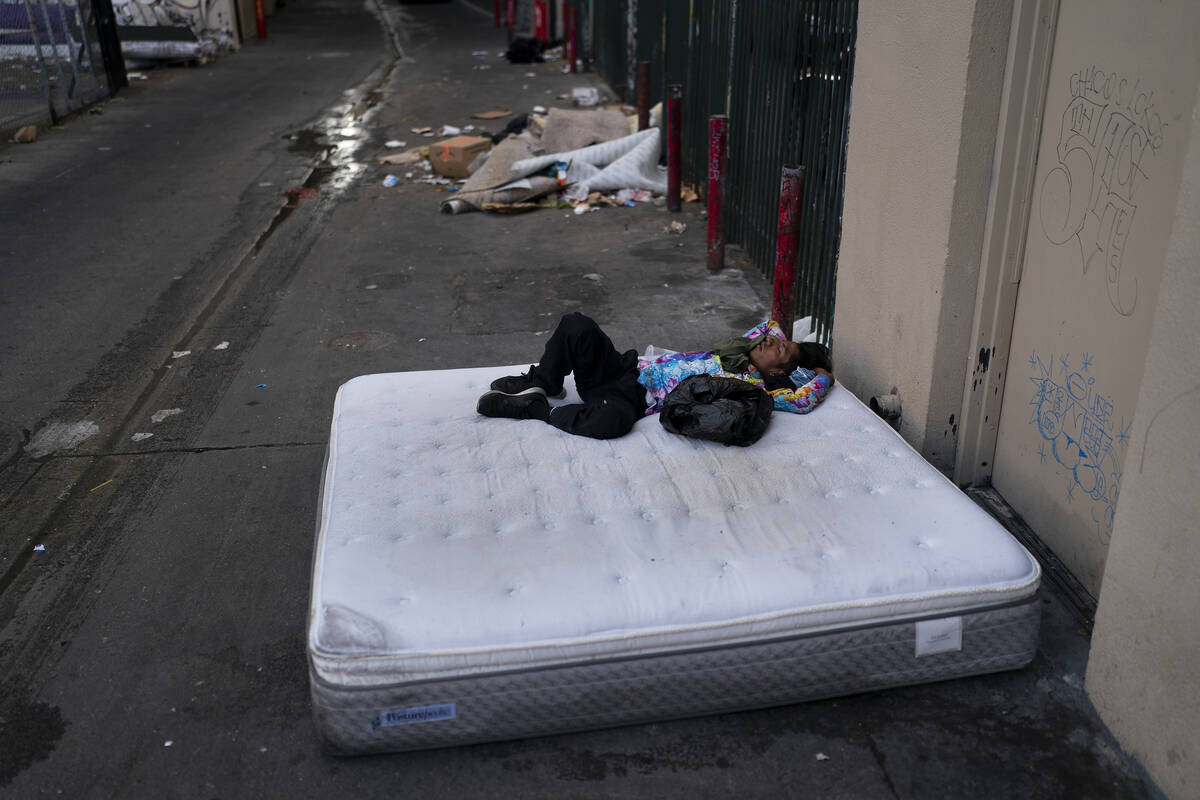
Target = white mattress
(453,545)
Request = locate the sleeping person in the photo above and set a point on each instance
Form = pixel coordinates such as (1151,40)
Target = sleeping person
(618,389)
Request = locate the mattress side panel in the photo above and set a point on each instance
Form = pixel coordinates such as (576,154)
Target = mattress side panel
(584,697)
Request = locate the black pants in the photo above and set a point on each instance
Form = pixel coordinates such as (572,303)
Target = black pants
(613,400)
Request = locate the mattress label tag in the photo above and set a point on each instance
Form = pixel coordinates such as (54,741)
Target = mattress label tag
(939,636)
(410,716)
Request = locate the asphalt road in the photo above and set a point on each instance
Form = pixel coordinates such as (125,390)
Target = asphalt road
(156,647)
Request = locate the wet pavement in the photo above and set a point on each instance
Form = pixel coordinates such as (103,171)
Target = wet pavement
(156,647)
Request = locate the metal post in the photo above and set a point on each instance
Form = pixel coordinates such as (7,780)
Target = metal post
(37,46)
(496,12)
(573,38)
(511,13)
(783,297)
(260,19)
(643,95)
(674,101)
(718,127)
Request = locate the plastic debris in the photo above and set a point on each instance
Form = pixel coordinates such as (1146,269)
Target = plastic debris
(168,743)
(180,353)
(449,130)
(393,143)
(407,157)
(26,134)
(425,129)
(479,52)
(141,437)
(39,548)
(493,114)
(390,180)
(582,208)
(222,346)
(585,96)
(594,276)
(101,485)
(539,109)
(688,195)
(261,386)
(161,414)
(675,227)
(822,757)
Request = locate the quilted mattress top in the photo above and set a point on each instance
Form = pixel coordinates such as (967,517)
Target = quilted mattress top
(451,544)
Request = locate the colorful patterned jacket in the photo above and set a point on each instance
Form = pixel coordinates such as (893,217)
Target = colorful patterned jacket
(662,374)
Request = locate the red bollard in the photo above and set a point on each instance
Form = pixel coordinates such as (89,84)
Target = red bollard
(260,19)
(643,94)
(496,11)
(573,36)
(674,101)
(541,20)
(718,127)
(787,238)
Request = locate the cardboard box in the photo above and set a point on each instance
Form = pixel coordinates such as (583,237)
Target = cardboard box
(451,157)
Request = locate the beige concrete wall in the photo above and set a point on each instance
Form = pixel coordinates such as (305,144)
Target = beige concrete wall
(927,85)
(1142,673)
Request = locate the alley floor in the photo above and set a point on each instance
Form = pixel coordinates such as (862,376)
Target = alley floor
(234,212)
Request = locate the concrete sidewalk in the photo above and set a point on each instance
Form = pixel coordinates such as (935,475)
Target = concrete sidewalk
(158,649)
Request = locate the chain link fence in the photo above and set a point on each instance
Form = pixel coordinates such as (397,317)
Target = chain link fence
(56,57)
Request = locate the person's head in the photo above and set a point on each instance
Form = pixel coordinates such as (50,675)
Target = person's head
(774,357)
(771,356)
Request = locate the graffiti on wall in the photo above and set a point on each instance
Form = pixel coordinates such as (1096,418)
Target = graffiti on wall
(1081,436)
(1111,130)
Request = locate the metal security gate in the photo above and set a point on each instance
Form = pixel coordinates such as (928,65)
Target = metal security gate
(781,71)
(56,57)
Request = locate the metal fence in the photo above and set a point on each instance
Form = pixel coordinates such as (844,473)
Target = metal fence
(56,56)
(781,71)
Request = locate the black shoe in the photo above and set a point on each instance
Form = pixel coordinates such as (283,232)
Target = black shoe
(526,405)
(523,384)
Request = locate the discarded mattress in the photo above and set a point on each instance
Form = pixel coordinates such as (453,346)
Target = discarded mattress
(478,579)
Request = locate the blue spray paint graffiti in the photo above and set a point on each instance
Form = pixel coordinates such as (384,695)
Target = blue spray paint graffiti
(1079,433)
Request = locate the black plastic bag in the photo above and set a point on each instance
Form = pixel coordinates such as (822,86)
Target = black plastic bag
(719,409)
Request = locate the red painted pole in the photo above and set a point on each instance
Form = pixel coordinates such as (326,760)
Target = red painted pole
(260,19)
(718,127)
(541,20)
(511,13)
(643,94)
(496,11)
(783,298)
(573,35)
(674,101)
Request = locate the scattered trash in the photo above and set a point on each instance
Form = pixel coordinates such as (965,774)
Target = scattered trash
(161,414)
(539,109)
(629,197)
(452,157)
(137,76)
(688,195)
(493,114)
(479,53)
(141,437)
(168,743)
(39,548)
(675,227)
(407,157)
(822,757)
(390,180)
(426,129)
(449,130)
(261,386)
(262,184)
(26,134)
(422,339)
(482,66)
(582,208)
(101,485)
(585,96)
(222,346)
(60,436)
(530,74)
(594,276)
(180,353)
(525,50)
(393,143)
